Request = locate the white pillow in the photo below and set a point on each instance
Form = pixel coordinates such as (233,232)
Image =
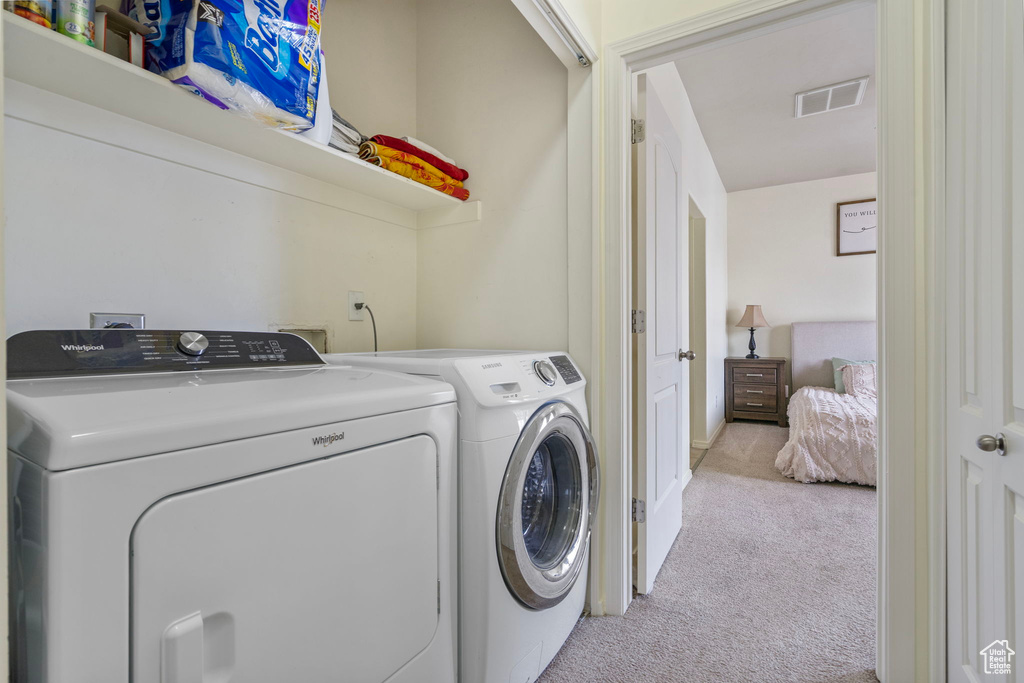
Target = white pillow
(861,380)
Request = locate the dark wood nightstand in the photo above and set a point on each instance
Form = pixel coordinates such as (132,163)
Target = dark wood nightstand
(755,389)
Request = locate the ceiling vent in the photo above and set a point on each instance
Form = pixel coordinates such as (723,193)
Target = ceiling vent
(831,97)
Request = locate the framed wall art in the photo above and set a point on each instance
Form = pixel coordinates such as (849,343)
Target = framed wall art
(857,227)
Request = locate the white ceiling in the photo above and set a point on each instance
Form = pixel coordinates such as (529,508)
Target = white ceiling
(743,96)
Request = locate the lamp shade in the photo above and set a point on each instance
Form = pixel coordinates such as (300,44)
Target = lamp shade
(752,317)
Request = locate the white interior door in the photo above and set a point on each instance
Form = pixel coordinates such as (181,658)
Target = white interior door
(662,426)
(985,339)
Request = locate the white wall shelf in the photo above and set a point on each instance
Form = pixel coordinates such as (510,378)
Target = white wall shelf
(45,59)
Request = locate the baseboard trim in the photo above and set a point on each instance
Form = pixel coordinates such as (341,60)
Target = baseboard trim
(714,437)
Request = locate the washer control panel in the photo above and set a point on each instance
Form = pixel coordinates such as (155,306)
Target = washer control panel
(70,353)
(502,379)
(545,371)
(566,369)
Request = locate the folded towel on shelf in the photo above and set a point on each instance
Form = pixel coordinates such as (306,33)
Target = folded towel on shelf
(419,175)
(372,149)
(403,146)
(427,148)
(345,136)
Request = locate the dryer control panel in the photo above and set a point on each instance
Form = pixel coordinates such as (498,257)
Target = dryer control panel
(70,353)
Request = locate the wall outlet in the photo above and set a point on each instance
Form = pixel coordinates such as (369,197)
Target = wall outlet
(101,320)
(353,299)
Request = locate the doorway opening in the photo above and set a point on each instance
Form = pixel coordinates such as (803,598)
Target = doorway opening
(700,440)
(721,336)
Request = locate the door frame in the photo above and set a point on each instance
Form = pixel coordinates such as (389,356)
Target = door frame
(911,502)
(697,277)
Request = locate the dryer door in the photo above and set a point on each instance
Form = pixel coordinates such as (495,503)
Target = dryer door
(325,571)
(546,506)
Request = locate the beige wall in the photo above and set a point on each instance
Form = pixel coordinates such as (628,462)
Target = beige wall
(782,255)
(189,247)
(502,282)
(703,187)
(624,18)
(586,14)
(370,47)
(265,257)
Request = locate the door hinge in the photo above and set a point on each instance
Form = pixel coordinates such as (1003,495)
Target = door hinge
(639,133)
(639,322)
(639,511)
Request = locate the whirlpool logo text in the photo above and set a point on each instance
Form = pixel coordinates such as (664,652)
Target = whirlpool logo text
(82,348)
(327,439)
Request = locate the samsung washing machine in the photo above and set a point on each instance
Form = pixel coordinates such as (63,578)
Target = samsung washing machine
(215,506)
(528,493)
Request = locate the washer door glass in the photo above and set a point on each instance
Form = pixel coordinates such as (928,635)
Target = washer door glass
(552,500)
(545,509)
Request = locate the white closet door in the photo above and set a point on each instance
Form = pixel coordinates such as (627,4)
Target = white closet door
(662,290)
(985,339)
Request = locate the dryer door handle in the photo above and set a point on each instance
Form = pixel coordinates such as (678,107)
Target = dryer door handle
(181,651)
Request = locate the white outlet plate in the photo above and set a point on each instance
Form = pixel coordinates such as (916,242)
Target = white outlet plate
(353,299)
(101,320)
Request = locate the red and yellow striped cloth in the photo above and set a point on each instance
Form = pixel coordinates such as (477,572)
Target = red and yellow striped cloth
(413,168)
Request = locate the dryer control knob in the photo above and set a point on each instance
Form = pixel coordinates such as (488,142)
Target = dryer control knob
(546,372)
(192,343)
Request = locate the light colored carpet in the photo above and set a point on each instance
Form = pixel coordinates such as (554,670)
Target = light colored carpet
(769,580)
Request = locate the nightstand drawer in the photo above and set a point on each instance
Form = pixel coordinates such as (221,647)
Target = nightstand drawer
(757,404)
(755,375)
(754,391)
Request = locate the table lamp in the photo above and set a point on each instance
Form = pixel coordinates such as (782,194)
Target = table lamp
(752,318)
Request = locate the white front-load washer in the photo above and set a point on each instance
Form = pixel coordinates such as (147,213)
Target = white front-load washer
(215,506)
(528,490)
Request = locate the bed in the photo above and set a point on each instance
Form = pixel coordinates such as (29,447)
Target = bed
(833,436)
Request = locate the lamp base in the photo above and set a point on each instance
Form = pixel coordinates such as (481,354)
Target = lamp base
(752,355)
(752,346)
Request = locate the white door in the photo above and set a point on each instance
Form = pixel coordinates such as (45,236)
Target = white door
(662,399)
(985,339)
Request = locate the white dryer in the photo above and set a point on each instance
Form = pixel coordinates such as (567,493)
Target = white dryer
(215,506)
(528,492)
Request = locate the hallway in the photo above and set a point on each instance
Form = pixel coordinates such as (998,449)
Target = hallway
(769,580)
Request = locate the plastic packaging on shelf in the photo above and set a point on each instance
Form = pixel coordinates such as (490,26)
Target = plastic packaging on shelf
(323,124)
(259,58)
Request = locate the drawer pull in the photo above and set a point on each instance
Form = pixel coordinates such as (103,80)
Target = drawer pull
(750,374)
(759,405)
(754,391)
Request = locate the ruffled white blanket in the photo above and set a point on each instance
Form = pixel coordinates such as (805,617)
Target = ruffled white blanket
(832,437)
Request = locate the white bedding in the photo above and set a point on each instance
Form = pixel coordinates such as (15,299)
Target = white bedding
(832,437)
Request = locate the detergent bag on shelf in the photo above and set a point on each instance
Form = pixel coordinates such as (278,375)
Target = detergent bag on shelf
(259,58)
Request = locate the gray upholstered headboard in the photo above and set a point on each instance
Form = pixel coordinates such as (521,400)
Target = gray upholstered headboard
(816,344)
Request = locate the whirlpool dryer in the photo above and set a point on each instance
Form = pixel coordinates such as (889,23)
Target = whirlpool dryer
(214,506)
(528,488)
